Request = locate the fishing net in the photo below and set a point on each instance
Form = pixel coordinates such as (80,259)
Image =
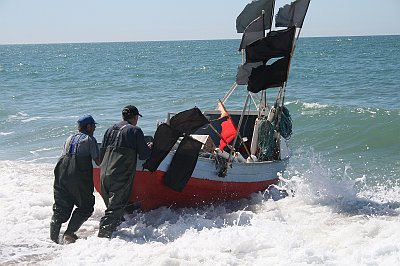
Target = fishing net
(285,123)
(266,141)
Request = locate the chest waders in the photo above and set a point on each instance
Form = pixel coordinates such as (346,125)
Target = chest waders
(73,185)
(117,171)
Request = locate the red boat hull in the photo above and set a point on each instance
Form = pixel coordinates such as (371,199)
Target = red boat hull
(150,193)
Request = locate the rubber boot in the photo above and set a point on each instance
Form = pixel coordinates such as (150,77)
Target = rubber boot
(54,231)
(104,233)
(106,230)
(75,223)
(69,238)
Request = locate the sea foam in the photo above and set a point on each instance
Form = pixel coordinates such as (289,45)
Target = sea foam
(324,221)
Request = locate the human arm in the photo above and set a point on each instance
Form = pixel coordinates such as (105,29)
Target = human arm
(142,146)
(97,161)
(94,151)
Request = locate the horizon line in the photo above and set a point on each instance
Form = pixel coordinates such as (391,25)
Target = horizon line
(179,40)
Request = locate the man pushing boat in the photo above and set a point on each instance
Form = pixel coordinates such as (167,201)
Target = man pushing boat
(121,145)
(73,183)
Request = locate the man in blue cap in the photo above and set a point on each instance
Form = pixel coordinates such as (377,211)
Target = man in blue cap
(121,145)
(73,183)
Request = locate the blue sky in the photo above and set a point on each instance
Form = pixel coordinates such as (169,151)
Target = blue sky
(60,21)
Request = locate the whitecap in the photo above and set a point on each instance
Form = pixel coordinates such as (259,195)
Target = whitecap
(314,105)
(36,152)
(23,117)
(361,110)
(31,119)
(17,116)
(6,133)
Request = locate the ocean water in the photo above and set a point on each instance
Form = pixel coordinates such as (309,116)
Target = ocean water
(344,98)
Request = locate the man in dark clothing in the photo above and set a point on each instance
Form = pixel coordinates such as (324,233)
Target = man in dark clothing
(120,147)
(73,183)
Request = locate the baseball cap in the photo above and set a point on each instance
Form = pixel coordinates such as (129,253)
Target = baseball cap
(130,111)
(86,119)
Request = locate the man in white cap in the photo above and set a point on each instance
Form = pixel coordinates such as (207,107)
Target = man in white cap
(73,183)
(121,145)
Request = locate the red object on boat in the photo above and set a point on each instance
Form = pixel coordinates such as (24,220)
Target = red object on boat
(228,133)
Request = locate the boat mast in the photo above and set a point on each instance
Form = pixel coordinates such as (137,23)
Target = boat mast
(264,92)
(263,98)
(290,61)
(261,105)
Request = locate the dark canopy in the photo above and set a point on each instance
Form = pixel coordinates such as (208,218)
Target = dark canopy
(188,121)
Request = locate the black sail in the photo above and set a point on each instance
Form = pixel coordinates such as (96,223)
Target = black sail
(275,44)
(269,76)
(292,14)
(252,11)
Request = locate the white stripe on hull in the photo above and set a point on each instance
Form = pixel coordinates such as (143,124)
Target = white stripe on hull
(239,172)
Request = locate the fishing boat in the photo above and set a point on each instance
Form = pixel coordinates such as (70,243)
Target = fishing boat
(208,157)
